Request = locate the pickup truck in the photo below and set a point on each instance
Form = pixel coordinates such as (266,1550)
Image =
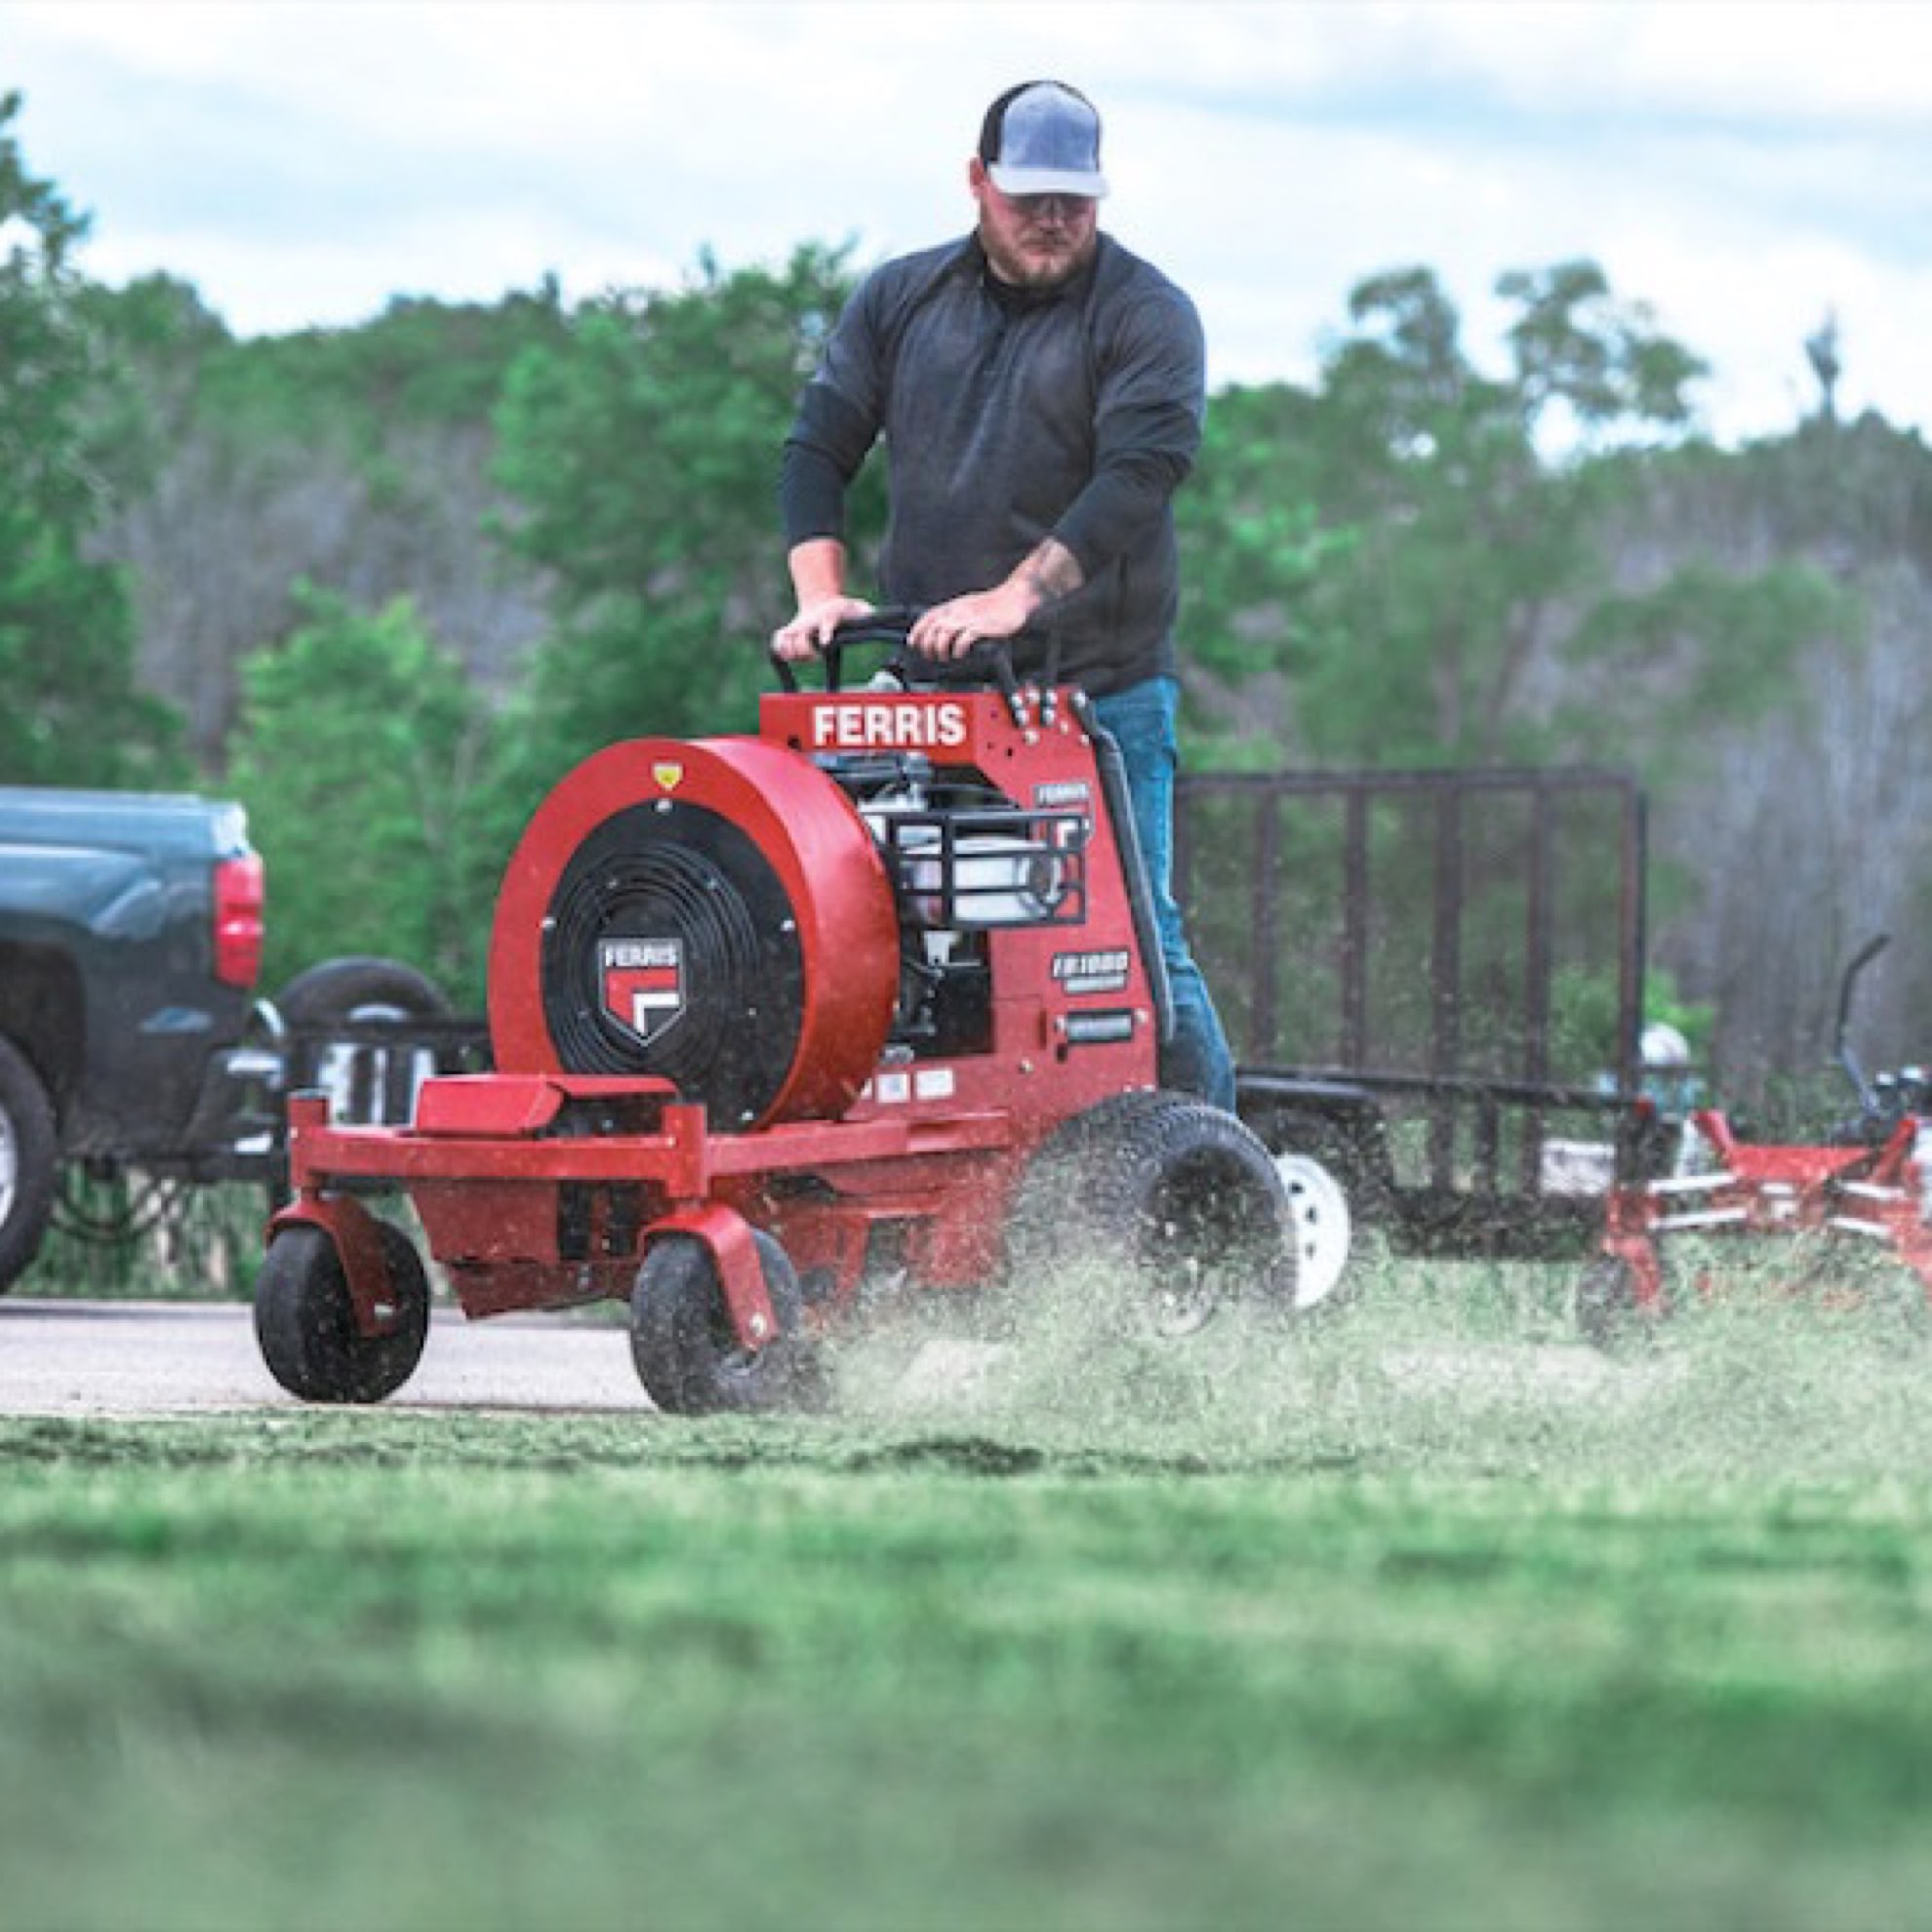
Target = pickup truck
(132,1039)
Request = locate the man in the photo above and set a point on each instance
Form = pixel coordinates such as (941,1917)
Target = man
(1040,392)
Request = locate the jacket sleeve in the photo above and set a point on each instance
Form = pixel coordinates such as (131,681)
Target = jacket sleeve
(1151,397)
(836,424)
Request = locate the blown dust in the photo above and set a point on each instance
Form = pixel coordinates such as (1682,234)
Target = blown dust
(1787,1367)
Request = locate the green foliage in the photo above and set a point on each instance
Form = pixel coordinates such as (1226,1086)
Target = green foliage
(72,713)
(1472,507)
(1581,352)
(420,362)
(1254,545)
(643,452)
(160,339)
(1658,669)
(1695,1018)
(361,757)
(1583,1019)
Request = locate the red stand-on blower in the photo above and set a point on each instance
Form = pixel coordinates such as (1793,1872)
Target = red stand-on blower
(873,995)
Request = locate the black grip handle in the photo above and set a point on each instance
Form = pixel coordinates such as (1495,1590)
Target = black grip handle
(889,624)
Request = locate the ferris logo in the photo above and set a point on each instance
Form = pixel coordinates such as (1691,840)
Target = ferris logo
(1062,792)
(888,725)
(643,983)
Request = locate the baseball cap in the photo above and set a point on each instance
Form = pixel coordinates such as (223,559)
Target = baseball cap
(1043,138)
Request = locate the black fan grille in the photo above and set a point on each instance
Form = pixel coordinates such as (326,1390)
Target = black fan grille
(668,870)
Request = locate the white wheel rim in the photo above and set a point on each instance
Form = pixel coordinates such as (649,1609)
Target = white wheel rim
(10,1165)
(1324,1228)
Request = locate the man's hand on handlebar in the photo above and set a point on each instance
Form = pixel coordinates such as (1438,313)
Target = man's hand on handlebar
(949,631)
(811,630)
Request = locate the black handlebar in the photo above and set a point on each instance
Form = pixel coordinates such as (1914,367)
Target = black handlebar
(1854,1070)
(891,625)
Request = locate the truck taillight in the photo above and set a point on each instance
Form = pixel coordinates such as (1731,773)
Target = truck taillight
(238,898)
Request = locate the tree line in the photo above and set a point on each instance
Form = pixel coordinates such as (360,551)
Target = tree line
(386,583)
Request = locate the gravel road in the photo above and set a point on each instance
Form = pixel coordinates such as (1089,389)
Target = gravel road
(160,1358)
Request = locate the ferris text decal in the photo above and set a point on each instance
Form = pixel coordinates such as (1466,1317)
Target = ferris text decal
(888,726)
(1062,791)
(643,983)
(1092,972)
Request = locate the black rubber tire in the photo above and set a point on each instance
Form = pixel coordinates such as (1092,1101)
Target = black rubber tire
(30,1162)
(1179,1196)
(688,1355)
(306,1323)
(359,983)
(356,987)
(1608,1316)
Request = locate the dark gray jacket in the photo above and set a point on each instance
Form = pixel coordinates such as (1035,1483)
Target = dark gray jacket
(1009,417)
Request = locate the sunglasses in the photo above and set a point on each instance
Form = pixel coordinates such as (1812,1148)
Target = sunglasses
(1049,207)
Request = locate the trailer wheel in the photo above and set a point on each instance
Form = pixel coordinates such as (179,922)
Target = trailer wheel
(30,1162)
(1178,1197)
(306,1323)
(1325,1227)
(688,1358)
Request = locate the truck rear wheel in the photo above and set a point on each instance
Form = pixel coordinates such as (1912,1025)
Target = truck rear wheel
(30,1162)
(688,1355)
(1178,1197)
(305,1321)
(370,1085)
(359,984)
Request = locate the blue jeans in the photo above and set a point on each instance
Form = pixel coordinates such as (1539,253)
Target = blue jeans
(1141,721)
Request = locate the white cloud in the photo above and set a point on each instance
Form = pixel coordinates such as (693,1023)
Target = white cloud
(1739,167)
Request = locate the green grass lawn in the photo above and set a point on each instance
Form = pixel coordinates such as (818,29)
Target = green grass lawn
(1355,1637)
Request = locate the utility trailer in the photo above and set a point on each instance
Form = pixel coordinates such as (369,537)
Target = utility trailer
(1434,984)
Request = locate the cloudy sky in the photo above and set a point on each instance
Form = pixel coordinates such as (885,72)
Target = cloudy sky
(1743,166)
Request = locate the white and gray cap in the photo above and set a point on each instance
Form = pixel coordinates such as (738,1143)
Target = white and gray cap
(1043,138)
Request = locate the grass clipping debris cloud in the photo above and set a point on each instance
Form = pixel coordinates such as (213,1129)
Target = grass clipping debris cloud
(1790,1366)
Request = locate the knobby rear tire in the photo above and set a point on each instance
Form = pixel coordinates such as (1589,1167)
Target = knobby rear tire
(1177,1196)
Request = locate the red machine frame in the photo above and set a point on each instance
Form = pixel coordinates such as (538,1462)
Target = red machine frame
(1869,1193)
(539,1187)
(1872,1184)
